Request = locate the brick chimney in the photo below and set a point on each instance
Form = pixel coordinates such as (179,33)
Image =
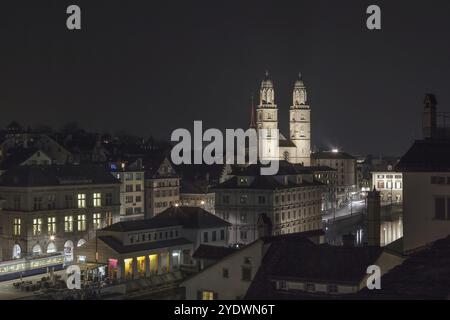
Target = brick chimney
(429,117)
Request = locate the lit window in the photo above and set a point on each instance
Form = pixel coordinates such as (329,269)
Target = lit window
(17,223)
(207,295)
(81,222)
(97,220)
(51,225)
(97,199)
(81,200)
(68,223)
(108,218)
(37,226)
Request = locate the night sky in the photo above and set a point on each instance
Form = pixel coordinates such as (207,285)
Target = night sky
(149,67)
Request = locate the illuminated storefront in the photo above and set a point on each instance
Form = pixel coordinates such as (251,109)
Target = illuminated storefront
(153,264)
(141,266)
(128,265)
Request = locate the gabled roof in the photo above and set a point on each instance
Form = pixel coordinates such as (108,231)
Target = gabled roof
(423,275)
(194,187)
(118,247)
(16,156)
(307,262)
(153,162)
(56,175)
(187,217)
(426,156)
(191,218)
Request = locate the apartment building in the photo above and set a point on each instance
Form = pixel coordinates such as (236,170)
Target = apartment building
(255,205)
(55,208)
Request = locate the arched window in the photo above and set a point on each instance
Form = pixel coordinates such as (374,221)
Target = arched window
(51,247)
(37,250)
(17,251)
(81,242)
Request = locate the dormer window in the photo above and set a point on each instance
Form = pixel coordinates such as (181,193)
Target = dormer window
(243,181)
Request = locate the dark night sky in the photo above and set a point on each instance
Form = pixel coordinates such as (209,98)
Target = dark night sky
(149,68)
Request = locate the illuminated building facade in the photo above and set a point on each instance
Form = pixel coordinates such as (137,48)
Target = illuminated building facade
(50,209)
(162,186)
(163,244)
(131,176)
(297,148)
(255,205)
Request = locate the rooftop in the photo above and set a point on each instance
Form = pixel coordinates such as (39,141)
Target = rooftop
(331,155)
(313,263)
(424,275)
(188,217)
(212,252)
(56,175)
(117,246)
(426,156)
(264,183)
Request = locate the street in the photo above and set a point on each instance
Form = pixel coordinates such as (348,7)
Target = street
(358,206)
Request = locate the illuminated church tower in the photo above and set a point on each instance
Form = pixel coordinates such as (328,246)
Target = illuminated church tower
(300,123)
(267,119)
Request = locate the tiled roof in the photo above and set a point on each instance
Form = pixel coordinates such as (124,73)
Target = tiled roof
(426,156)
(54,175)
(212,252)
(423,275)
(117,246)
(188,217)
(15,156)
(194,187)
(303,261)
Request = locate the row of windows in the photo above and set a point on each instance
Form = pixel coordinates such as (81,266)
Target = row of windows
(389,185)
(213,236)
(389,176)
(152,236)
(69,221)
(166,193)
(131,188)
(440,180)
(301,212)
(162,184)
(81,201)
(131,176)
(129,211)
(310,287)
(243,199)
(131,199)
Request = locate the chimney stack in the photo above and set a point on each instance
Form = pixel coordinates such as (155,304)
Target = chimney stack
(429,117)
(373,218)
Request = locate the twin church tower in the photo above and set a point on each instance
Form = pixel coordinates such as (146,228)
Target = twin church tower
(297,147)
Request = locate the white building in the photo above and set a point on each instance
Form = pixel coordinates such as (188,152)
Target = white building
(426,184)
(131,176)
(390,185)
